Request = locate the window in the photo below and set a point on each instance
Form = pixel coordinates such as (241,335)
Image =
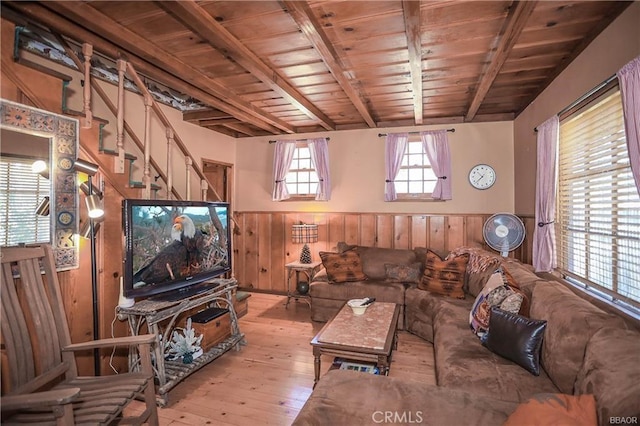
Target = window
(21,191)
(598,218)
(302,179)
(415,178)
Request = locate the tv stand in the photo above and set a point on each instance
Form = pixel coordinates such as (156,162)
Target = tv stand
(160,318)
(184,293)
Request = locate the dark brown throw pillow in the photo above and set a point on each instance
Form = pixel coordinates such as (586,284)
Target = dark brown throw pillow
(343,267)
(517,338)
(445,277)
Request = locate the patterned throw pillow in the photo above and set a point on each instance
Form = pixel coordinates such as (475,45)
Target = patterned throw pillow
(402,273)
(343,267)
(555,409)
(445,277)
(495,293)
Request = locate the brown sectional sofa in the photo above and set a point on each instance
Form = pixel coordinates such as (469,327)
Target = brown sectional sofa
(585,351)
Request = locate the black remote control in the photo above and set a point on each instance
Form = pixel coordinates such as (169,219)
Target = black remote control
(368,301)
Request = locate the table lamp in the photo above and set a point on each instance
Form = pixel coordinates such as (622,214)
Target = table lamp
(303,234)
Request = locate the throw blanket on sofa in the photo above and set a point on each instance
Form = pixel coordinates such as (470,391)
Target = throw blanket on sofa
(480,260)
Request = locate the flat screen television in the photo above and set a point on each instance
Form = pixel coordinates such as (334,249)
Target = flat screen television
(172,247)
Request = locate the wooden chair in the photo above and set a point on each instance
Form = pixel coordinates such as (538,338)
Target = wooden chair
(44,386)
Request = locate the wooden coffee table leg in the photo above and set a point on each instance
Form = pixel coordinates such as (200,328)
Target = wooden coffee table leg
(316,368)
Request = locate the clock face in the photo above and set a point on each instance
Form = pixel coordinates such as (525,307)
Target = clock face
(482,176)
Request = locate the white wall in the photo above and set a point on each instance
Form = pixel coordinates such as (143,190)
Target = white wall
(357,172)
(611,50)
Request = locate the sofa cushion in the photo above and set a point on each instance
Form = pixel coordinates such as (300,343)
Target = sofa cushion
(352,398)
(374,259)
(516,338)
(410,274)
(555,409)
(383,291)
(462,361)
(571,321)
(343,267)
(444,277)
(611,372)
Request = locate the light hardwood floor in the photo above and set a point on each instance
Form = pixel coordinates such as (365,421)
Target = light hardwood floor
(268,381)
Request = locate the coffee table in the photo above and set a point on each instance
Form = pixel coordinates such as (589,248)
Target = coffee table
(371,336)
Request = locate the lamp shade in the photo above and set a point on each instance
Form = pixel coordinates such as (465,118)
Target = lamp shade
(43,207)
(302,234)
(85,167)
(94,205)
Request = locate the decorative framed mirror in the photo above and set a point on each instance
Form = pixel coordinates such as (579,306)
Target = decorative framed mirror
(61,135)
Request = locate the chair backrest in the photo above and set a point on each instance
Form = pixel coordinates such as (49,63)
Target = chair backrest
(34,325)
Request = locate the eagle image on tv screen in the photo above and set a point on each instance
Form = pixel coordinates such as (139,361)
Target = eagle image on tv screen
(171,243)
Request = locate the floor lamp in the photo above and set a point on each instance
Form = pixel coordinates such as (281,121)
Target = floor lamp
(96,212)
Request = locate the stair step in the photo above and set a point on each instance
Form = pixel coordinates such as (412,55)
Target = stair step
(75,113)
(138,184)
(113,152)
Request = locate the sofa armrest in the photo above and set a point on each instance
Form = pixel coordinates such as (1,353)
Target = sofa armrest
(321,275)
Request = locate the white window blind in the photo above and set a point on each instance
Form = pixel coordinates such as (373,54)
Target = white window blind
(302,179)
(21,191)
(598,220)
(415,178)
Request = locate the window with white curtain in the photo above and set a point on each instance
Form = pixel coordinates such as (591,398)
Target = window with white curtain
(302,179)
(415,179)
(21,191)
(598,207)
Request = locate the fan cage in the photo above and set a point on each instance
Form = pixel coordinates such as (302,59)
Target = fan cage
(490,227)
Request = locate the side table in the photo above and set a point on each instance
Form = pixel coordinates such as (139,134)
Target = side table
(295,268)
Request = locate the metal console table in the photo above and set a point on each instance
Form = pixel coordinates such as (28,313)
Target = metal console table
(160,318)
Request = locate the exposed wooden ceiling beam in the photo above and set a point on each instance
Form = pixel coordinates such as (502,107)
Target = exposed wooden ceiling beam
(154,60)
(200,22)
(515,22)
(240,128)
(303,15)
(411,12)
(208,114)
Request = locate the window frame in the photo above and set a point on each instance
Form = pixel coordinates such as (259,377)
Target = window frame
(568,251)
(415,196)
(41,224)
(311,170)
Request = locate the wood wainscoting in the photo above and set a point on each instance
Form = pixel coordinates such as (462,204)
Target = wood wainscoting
(262,241)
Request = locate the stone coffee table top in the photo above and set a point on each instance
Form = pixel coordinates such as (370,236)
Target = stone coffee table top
(368,330)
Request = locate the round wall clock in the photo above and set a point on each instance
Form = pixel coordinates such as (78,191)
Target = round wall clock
(482,176)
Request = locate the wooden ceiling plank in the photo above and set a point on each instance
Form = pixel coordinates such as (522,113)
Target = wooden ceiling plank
(411,9)
(84,15)
(515,23)
(191,15)
(305,19)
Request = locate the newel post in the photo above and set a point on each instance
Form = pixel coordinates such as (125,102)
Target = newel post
(87,52)
(169,160)
(146,179)
(119,163)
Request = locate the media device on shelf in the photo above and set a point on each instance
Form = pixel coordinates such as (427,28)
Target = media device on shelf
(172,247)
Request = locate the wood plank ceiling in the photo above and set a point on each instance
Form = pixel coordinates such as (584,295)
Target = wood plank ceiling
(283,67)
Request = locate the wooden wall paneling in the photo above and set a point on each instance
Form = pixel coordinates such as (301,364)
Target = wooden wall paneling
(367,230)
(336,227)
(437,234)
(473,231)
(351,228)
(384,231)
(419,231)
(277,244)
(264,241)
(250,254)
(455,232)
(402,232)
